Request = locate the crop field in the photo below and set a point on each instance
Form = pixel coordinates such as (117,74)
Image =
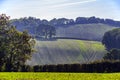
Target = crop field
(67,51)
(58,76)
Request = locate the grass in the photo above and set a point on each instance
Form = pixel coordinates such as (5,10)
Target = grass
(84,31)
(67,51)
(58,76)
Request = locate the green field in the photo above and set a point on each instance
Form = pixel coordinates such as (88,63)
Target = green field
(84,31)
(67,51)
(59,76)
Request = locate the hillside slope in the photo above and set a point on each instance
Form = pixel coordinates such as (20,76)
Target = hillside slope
(84,31)
(89,30)
(66,51)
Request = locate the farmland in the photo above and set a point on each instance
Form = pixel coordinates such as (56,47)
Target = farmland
(84,31)
(67,51)
(59,76)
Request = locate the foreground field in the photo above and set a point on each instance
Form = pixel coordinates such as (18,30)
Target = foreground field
(67,51)
(59,76)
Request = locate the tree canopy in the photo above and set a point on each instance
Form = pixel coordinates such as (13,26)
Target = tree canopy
(113,54)
(15,47)
(47,31)
(111,39)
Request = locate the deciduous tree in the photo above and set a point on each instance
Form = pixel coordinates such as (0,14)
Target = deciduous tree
(15,47)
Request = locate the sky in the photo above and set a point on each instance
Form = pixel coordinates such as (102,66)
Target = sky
(49,9)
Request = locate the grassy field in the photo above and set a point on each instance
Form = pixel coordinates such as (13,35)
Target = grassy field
(67,51)
(84,31)
(59,76)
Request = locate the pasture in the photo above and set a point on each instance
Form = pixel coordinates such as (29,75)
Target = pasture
(67,51)
(58,76)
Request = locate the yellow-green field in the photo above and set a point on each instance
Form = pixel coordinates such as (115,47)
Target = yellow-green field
(59,76)
(67,51)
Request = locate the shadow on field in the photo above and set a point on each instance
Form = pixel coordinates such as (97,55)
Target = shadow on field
(43,39)
(56,38)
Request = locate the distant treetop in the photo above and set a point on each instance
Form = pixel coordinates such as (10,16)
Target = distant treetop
(65,21)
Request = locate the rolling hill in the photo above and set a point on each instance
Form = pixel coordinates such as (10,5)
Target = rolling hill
(84,31)
(66,51)
(83,28)
(93,31)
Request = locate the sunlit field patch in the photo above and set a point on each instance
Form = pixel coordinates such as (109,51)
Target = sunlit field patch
(58,76)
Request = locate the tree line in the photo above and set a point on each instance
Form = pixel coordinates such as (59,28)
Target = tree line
(99,67)
(94,67)
(32,21)
(47,29)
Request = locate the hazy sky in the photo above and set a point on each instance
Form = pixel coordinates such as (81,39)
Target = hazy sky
(49,9)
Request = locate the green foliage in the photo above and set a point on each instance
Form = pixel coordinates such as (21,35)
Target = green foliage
(113,54)
(45,30)
(111,39)
(97,66)
(35,27)
(16,47)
